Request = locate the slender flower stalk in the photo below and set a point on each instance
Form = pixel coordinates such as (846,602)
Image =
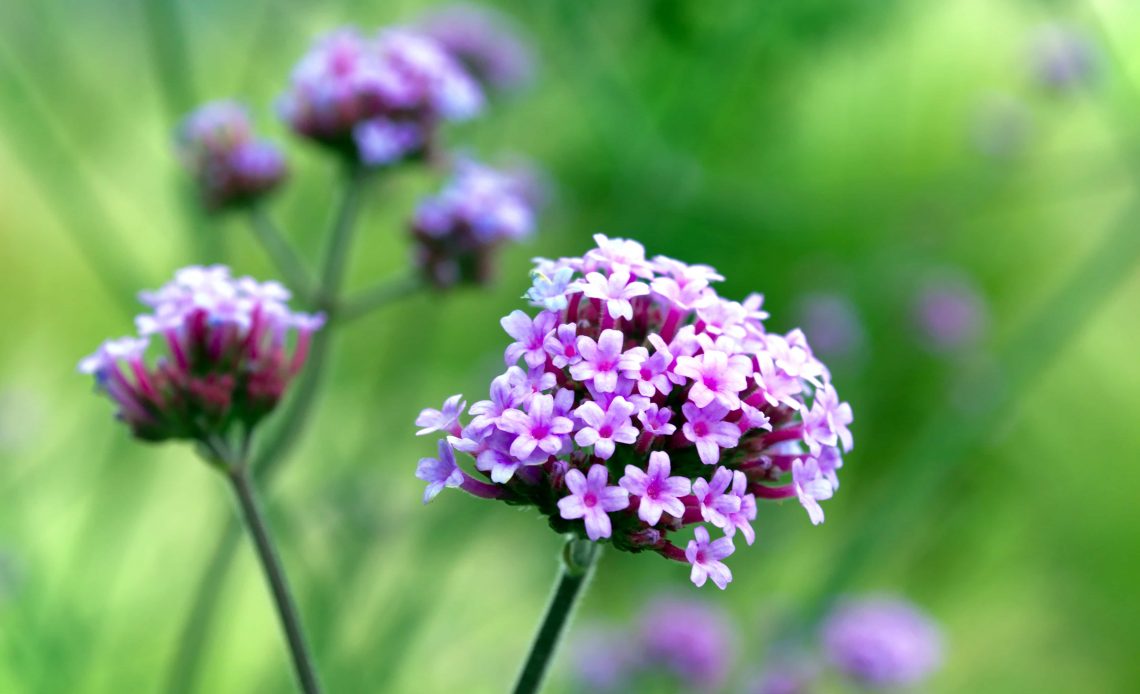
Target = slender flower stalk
(280,252)
(578,560)
(237,473)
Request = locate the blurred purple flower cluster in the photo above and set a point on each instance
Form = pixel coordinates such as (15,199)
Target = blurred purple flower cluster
(227,357)
(882,642)
(685,641)
(638,402)
(378,97)
(457,230)
(230,165)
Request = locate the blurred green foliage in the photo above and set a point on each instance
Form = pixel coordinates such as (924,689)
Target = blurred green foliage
(800,147)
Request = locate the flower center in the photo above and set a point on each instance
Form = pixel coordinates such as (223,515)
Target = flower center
(711,382)
(589,500)
(646,374)
(653,490)
(701,429)
(700,556)
(540,431)
(606,431)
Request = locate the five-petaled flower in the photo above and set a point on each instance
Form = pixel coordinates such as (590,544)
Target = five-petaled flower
(592,500)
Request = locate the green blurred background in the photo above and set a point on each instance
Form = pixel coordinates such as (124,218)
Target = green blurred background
(803,147)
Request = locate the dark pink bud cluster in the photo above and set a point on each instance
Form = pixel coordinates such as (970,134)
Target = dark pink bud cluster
(638,404)
(229,353)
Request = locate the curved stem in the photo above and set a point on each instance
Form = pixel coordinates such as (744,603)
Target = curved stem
(275,574)
(279,250)
(578,559)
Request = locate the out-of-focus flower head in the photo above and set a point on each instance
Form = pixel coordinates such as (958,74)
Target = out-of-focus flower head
(950,313)
(485,41)
(457,231)
(380,98)
(690,639)
(882,642)
(231,167)
(832,324)
(638,404)
(1062,57)
(676,641)
(229,349)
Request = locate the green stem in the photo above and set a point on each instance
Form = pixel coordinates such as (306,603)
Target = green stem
(267,459)
(280,252)
(378,296)
(578,560)
(275,574)
(336,254)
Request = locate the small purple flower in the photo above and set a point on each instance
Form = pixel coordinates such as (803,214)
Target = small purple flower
(706,558)
(530,335)
(742,519)
(715,377)
(717,504)
(446,419)
(687,297)
(615,291)
(827,421)
(380,141)
(659,492)
(538,428)
(708,430)
(811,487)
(549,291)
(655,421)
(599,360)
(651,374)
(591,500)
(562,346)
(439,472)
(882,642)
(488,412)
(605,428)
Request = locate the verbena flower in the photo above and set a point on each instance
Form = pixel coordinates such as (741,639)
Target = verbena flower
(380,98)
(635,408)
(229,165)
(457,231)
(229,348)
(485,41)
(882,642)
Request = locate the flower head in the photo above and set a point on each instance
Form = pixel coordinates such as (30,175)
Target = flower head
(377,98)
(227,358)
(485,41)
(457,231)
(882,642)
(230,166)
(683,411)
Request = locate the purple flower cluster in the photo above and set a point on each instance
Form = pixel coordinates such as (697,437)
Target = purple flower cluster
(457,230)
(230,165)
(686,640)
(378,98)
(638,402)
(484,41)
(882,642)
(1062,57)
(227,359)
